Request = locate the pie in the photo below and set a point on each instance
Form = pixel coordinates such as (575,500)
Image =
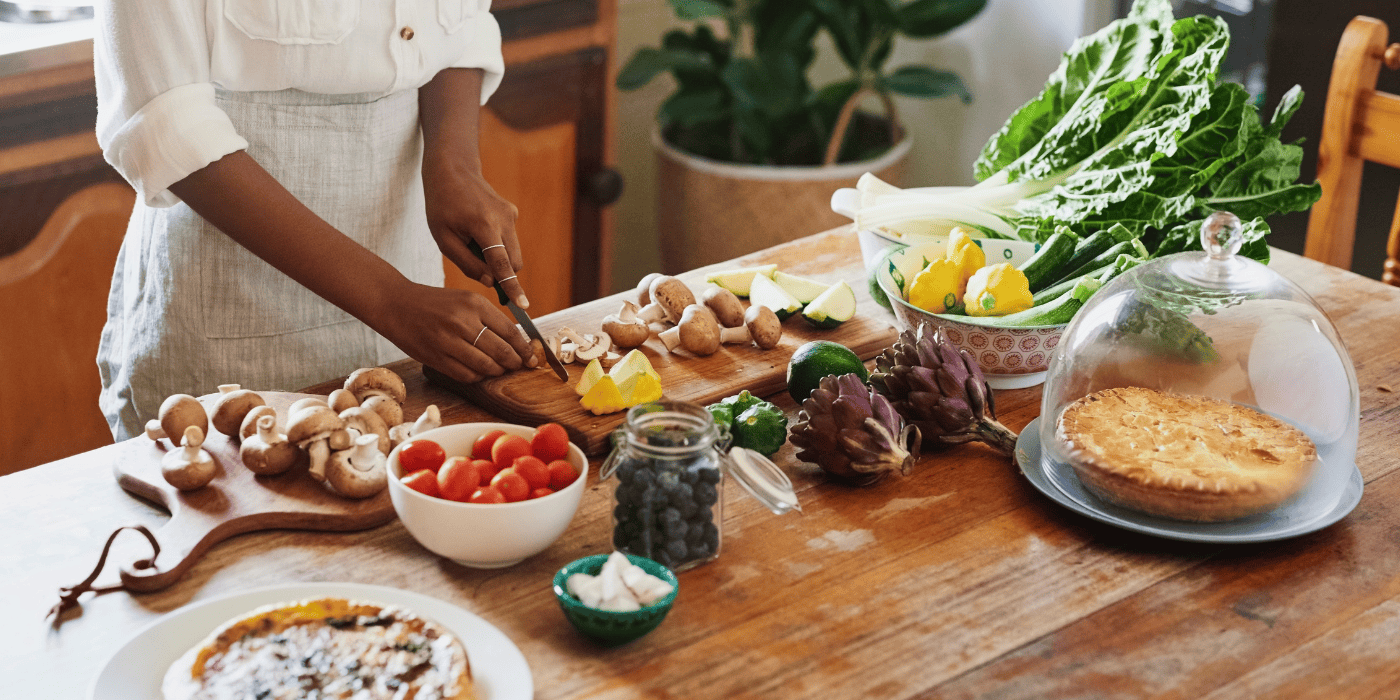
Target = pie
(1183,457)
(324,648)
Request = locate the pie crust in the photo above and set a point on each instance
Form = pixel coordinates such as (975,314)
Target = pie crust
(324,648)
(1183,457)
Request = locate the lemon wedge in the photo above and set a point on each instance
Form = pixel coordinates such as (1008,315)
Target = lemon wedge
(632,363)
(591,374)
(640,388)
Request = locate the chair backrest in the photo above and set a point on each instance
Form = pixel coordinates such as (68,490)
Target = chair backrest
(1359,124)
(53,302)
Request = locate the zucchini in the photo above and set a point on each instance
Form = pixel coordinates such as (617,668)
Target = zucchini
(1054,313)
(1131,246)
(1097,244)
(1103,274)
(1053,257)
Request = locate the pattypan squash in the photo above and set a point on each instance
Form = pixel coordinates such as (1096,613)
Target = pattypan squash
(965,252)
(938,287)
(997,290)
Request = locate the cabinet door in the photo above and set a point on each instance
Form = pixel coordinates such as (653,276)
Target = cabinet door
(542,148)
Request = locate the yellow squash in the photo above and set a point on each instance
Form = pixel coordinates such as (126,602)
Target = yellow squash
(966,254)
(938,287)
(997,290)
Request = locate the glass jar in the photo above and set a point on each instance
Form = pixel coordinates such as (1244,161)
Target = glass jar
(670,461)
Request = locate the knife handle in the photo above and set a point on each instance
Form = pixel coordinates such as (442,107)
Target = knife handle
(475,248)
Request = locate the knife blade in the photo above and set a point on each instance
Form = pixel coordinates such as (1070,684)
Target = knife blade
(523,319)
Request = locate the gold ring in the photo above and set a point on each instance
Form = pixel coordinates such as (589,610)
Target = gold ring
(478,335)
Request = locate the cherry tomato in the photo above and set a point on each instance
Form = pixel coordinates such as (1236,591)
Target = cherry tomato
(561,474)
(486,468)
(421,454)
(533,469)
(458,478)
(511,485)
(550,442)
(541,493)
(506,449)
(486,494)
(423,481)
(481,449)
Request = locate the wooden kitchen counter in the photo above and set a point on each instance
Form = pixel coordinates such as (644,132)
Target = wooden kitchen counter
(958,581)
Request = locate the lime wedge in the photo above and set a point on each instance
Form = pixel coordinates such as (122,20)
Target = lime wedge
(766,292)
(834,307)
(739,280)
(805,290)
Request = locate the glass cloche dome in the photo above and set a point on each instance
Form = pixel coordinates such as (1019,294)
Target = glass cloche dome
(1189,381)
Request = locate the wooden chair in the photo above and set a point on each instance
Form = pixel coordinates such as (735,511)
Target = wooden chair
(1359,124)
(53,302)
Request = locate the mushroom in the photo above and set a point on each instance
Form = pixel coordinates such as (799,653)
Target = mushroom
(250,421)
(625,328)
(609,359)
(307,402)
(233,406)
(341,399)
(177,412)
(644,288)
(726,306)
(311,430)
(669,297)
(589,347)
(365,421)
(761,326)
(698,331)
(359,472)
(267,451)
(402,432)
(566,352)
(387,408)
(376,381)
(189,467)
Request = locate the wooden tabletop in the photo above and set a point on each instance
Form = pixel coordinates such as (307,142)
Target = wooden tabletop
(959,581)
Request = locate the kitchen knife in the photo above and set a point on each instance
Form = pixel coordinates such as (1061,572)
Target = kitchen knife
(524,320)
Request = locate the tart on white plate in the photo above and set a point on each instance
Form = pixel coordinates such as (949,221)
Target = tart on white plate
(1183,457)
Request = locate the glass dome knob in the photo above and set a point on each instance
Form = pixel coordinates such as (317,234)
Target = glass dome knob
(1221,235)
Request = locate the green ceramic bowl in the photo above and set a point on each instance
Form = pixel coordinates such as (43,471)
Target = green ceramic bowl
(606,626)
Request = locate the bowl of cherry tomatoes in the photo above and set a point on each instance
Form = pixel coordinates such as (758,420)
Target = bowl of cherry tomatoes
(487,495)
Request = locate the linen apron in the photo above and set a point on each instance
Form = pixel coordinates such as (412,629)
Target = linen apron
(191,309)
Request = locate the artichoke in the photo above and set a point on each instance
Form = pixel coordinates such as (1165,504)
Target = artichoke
(852,432)
(939,388)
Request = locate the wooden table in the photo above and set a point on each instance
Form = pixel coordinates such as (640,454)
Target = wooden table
(959,581)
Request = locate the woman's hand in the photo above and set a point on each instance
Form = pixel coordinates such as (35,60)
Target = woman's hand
(463,207)
(460,333)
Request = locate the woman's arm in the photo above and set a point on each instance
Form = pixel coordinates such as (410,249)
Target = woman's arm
(461,205)
(433,325)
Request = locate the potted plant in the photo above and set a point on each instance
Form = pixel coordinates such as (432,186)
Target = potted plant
(749,151)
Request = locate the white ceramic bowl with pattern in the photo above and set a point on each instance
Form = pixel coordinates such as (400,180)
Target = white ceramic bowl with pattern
(1010,358)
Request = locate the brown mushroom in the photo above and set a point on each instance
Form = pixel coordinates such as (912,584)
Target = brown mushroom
(625,328)
(387,408)
(761,326)
(376,381)
(308,402)
(177,412)
(341,399)
(267,452)
(697,331)
(188,467)
(669,297)
(728,310)
(250,421)
(365,421)
(402,432)
(644,288)
(359,472)
(311,430)
(233,406)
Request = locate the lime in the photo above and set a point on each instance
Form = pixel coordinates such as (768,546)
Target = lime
(818,359)
(761,428)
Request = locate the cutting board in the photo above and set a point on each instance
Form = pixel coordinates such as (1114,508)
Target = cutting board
(235,502)
(537,396)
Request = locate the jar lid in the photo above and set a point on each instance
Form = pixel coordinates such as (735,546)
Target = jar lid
(763,480)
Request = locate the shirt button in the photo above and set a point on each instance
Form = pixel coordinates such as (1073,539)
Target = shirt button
(406,33)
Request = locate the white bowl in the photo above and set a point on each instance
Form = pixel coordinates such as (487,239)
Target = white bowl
(484,535)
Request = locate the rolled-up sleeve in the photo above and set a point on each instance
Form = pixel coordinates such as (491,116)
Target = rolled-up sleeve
(157,121)
(482,38)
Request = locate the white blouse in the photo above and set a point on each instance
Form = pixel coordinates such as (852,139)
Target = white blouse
(158,63)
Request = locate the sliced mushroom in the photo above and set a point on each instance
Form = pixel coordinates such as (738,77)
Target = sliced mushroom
(698,331)
(177,412)
(644,288)
(341,399)
(669,297)
(587,347)
(566,352)
(728,310)
(360,471)
(311,430)
(609,359)
(189,467)
(625,328)
(761,326)
(233,406)
(376,381)
(365,421)
(267,452)
(250,421)
(402,432)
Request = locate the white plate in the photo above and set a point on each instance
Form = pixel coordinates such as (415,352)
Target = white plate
(136,670)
